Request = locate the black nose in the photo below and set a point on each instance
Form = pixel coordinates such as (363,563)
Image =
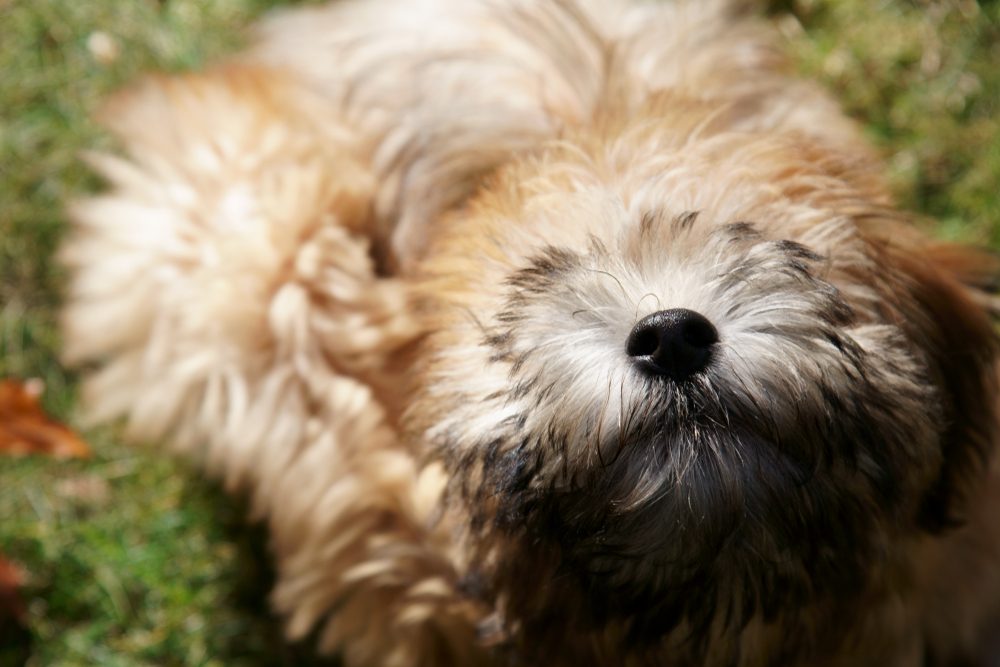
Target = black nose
(676,343)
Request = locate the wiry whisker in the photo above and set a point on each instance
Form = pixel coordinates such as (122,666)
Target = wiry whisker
(616,279)
(748,394)
(621,410)
(638,304)
(600,423)
(627,426)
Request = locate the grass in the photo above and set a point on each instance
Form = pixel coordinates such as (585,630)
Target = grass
(923,78)
(132,558)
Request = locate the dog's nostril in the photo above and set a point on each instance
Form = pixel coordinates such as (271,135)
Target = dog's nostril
(643,342)
(698,331)
(676,343)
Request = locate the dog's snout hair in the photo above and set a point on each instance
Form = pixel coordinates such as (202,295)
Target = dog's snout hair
(653,491)
(564,332)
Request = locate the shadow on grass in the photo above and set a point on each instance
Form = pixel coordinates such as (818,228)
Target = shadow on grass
(15,643)
(251,587)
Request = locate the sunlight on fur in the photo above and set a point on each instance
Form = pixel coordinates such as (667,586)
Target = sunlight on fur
(565,332)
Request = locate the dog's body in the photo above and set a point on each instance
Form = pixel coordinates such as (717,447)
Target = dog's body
(396,270)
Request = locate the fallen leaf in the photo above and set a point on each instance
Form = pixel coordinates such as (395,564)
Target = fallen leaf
(26,429)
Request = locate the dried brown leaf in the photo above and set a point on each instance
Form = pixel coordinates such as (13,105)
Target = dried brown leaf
(26,429)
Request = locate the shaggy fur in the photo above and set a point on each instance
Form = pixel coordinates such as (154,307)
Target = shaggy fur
(379,272)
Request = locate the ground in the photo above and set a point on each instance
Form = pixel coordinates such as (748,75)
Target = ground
(133,558)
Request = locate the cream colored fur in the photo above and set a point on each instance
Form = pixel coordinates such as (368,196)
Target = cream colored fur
(254,286)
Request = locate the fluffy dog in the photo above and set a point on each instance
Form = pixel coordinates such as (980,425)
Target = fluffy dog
(551,332)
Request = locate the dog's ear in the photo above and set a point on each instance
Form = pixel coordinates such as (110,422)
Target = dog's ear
(947,291)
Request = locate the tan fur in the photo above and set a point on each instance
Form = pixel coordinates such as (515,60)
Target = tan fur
(320,269)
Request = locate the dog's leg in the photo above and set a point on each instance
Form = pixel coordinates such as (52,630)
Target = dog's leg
(225,289)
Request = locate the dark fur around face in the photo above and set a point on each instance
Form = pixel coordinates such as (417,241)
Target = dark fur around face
(784,477)
(846,409)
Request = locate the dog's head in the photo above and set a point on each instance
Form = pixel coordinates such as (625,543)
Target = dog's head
(699,379)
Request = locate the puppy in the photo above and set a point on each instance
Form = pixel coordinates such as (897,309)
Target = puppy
(551,332)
